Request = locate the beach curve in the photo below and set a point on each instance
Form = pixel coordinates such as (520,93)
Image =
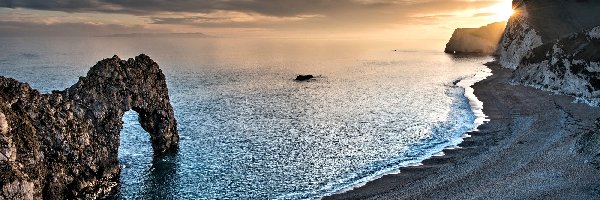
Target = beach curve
(527,150)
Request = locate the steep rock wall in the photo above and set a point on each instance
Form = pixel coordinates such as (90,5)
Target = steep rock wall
(519,38)
(570,66)
(64,145)
(548,44)
(483,40)
(537,22)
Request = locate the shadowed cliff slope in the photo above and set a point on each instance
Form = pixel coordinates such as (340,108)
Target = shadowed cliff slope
(64,145)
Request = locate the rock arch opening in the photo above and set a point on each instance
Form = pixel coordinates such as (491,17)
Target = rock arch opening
(135,152)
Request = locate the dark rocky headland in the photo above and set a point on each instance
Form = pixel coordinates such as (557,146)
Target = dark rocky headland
(64,145)
(478,41)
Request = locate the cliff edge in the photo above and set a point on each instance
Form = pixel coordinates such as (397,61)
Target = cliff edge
(483,40)
(64,145)
(554,45)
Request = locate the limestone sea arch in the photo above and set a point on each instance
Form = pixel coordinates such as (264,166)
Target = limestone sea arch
(64,145)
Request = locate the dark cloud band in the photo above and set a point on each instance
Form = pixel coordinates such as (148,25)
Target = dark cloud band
(280,8)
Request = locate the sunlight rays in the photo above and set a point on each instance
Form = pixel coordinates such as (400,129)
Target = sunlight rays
(502,11)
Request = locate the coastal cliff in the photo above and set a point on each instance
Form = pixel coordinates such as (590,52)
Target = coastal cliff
(554,45)
(64,145)
(535,145)
(483,40)
(570,66)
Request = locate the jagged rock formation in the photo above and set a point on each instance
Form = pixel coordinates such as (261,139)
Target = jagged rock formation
(483,40)
(519,38)
(550,45)
(64,145)
(536,22)
(570,66)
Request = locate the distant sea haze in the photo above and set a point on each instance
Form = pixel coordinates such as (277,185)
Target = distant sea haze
(250,131)
(174,35)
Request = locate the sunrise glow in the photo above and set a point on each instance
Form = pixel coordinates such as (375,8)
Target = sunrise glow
(502,11)
(299,99)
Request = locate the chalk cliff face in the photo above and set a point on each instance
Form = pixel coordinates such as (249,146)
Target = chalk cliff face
(64,145)
(570,66)
(551,45)
(483,40)
(519,38)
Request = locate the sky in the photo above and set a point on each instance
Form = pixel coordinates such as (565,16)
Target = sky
(383,19)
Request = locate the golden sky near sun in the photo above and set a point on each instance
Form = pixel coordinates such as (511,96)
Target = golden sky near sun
(502,10)
(377,19)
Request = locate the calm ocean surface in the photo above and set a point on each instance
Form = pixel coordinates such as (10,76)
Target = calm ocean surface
(249,131)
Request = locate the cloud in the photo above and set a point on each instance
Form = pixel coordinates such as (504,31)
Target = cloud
(15,28)
(430,19)
(265,7)
(484,14)
(276,15)
(148,7)
(317,14)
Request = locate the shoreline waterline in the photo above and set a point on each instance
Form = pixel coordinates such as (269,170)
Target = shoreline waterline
(249,131)
(476,107)
(523,121)
(474,102)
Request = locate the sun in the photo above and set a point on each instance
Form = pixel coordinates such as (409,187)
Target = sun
(501,11)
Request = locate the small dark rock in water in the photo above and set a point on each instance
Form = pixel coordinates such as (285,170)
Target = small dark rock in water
(456,81)
(64,145)
(304,77)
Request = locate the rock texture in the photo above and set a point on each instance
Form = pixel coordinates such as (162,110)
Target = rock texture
(588,145)
(570,66)
(536,22)
(483,40)
(553,45)
(519,38)
(64,145)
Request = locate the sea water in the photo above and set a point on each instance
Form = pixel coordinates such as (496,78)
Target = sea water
(249,131)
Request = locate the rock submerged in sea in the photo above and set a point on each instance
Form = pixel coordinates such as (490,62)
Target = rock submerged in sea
(304,77)
(64,145)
